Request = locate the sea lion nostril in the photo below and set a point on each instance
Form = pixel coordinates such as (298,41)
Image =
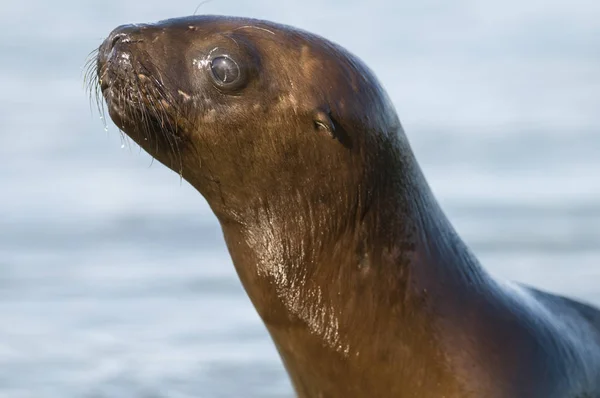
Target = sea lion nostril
(117,38)
(124,33)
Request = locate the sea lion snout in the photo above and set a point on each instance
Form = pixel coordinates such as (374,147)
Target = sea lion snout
(125,45)
(114,56)
(137,83)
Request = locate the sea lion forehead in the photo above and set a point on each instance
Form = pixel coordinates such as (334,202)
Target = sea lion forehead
(298,44)
(289,47)
(253,29)
(223,24)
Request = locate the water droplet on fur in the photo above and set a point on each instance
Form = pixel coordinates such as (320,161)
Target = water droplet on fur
(122,146)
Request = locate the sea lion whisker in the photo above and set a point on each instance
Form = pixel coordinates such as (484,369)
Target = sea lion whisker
(169,127)
(93,85)
(89,76)
(173,105)
(255,27)
(162,118)
(89,85)
(96,97)
(100,105)
(143,111)
(145,108)
(200,5)
(90,79)
(168,98)
(91,59)
(118,98)
(93,54)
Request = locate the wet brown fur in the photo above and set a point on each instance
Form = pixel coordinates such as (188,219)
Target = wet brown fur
(362,282)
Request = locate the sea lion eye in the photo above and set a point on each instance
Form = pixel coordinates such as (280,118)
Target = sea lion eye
(225,70)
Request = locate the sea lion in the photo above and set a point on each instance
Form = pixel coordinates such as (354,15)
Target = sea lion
(363,284)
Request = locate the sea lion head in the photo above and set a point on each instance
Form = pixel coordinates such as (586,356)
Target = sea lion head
(249,111)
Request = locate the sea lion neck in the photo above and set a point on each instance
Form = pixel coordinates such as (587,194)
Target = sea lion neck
(317,273)
(387,238)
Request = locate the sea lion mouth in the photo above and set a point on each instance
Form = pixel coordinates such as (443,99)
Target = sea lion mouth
(131,91)
(134,97)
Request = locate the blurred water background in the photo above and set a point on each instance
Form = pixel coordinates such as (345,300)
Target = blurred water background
(114,278)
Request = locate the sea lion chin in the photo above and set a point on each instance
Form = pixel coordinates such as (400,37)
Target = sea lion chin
(361,280)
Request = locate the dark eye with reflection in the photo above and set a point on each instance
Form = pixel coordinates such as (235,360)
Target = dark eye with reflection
(225,70)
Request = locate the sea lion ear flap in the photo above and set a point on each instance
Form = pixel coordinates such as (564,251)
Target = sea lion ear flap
(323,121)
